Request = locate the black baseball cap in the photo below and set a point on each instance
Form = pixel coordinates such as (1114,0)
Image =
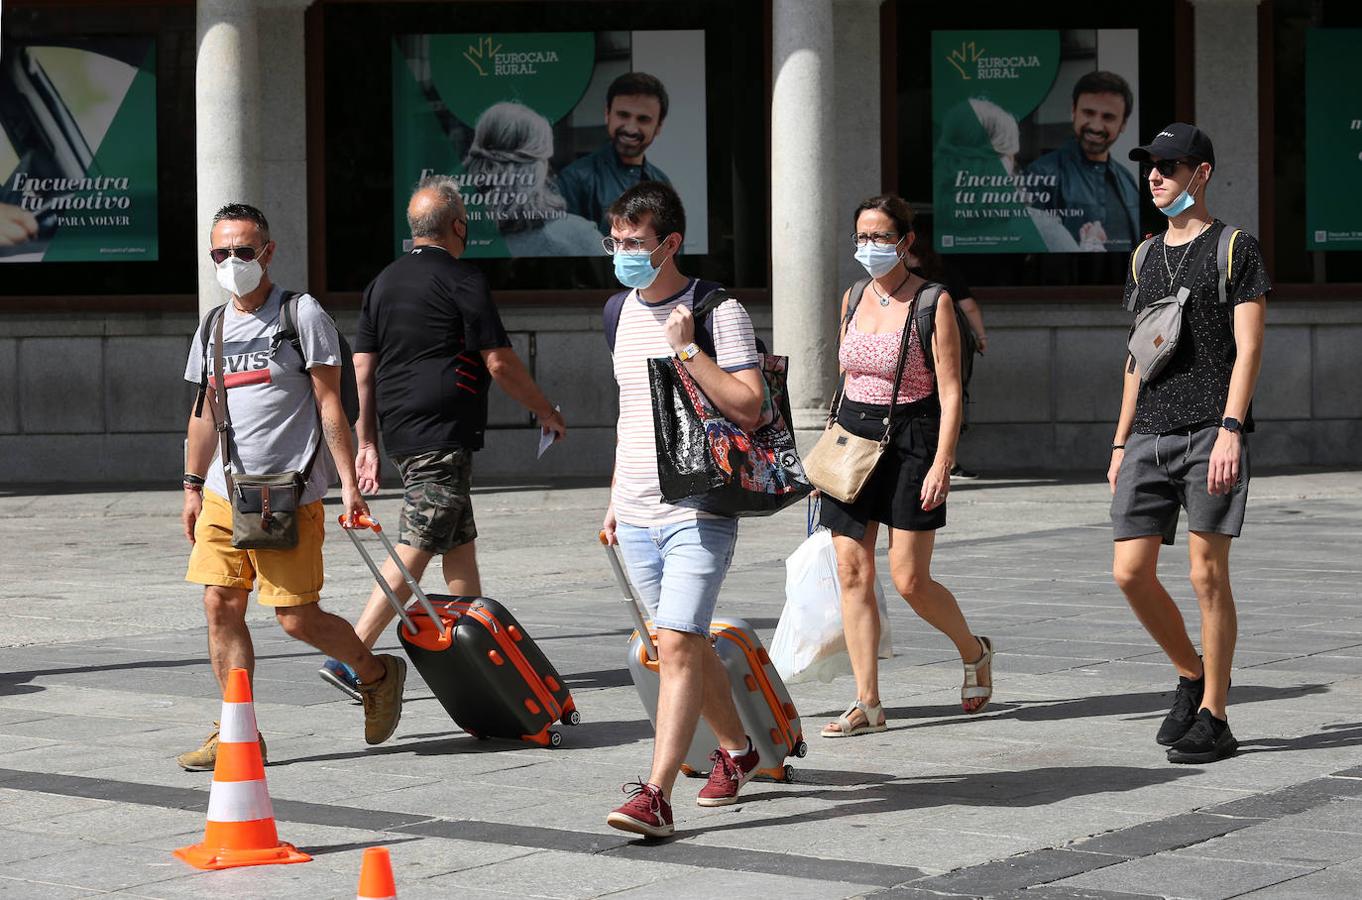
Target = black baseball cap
(1177,141)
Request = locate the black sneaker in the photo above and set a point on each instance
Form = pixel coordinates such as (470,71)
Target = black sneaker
(960,473)
(1209,739)
(1186,700)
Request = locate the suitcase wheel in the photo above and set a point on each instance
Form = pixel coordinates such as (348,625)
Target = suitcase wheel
(555,739)
(573,718)
(801,750)
(789,775)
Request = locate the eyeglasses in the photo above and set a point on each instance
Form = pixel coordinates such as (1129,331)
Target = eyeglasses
(1167,167)
(245,254)
(878,238)
(627,245)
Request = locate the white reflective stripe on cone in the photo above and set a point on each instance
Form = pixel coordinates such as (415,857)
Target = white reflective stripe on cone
(367,897)
(237,725)
(239,801)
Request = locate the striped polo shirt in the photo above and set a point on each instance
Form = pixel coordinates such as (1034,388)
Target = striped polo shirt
(637,495)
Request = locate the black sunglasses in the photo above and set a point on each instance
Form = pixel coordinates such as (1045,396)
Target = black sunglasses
(1167,167)
(245,254)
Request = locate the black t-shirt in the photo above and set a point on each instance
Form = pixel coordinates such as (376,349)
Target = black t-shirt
(1191,391)
(426,317)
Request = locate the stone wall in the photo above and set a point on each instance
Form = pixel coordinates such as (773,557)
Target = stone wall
(93,399)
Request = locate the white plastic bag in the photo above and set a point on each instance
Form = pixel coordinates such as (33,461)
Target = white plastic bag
(809,644)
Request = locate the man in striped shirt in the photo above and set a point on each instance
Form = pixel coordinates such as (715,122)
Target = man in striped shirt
(676,557)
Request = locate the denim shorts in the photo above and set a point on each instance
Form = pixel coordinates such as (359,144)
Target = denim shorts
(678,569)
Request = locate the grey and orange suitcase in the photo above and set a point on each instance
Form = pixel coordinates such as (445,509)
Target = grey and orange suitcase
(481,664)
(768,714)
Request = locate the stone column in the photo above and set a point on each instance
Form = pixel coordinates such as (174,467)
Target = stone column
(227,104)
(1226,84)
(283,137)
(856,123)
(803,203)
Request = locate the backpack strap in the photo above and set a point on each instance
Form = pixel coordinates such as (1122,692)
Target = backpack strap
(611,317)
(1136,264)
(925,315)
(288,325)
(205,336)
(1224,259)
(853,300)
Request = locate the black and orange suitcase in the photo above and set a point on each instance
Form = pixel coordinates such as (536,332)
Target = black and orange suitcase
(759,693)
(481,664)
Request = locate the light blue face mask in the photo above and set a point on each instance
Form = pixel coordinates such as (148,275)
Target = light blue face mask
(878,259)
(1180,204)
(636,270)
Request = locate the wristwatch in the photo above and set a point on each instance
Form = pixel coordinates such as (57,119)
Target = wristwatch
(689,351)
(1230,423)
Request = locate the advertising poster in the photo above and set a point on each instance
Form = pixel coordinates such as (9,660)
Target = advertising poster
(1030,131)
(78,150)
(1333,140)
(544,131)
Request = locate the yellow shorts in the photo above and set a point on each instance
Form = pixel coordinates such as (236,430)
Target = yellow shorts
(287,577)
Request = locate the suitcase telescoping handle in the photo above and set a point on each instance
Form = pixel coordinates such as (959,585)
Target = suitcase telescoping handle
(631,598)
(350,526)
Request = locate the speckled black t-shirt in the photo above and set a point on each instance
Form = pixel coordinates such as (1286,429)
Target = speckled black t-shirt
(1191,391)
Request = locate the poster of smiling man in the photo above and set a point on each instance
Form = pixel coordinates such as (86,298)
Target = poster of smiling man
(544,131)
(1030,132)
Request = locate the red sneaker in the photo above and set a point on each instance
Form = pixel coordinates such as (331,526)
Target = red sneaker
(646,812)
(727,777)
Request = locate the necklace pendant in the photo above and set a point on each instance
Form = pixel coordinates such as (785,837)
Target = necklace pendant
(884,301)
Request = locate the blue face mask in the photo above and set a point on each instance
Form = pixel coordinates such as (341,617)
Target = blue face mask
(877,259)
(1180,204)
(636,270)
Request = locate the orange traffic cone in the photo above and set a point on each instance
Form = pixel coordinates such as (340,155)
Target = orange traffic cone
(240,830)
(376,876)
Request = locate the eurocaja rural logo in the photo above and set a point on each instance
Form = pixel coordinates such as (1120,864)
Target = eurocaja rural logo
(975,64)
(488,57)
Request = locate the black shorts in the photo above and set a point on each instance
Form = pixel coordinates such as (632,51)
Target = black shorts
(891,494)
(1161,474)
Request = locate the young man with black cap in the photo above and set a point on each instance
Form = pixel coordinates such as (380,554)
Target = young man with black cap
(1181,438)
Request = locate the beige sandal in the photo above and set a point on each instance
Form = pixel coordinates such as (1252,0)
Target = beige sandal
(873,714)
(973,690)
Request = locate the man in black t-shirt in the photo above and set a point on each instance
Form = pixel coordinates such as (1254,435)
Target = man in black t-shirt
(430,342)
(1181,438)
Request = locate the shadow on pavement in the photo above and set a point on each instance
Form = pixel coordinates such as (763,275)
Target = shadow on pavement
(323,849)
(586,736)
(1136,705)
(1349,735)
(1031,787)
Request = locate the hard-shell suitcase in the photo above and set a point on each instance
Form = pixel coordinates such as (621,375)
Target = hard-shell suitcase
(480,663)
(768,714)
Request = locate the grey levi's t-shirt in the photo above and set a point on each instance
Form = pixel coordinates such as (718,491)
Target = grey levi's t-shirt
(275,423)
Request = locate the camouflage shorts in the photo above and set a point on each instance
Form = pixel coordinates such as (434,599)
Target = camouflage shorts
(437,513)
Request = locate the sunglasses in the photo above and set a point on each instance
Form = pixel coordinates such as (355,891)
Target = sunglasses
(1167,167)
(220,254)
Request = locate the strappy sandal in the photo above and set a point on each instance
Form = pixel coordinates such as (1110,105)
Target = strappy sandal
(873,714)
(973,690)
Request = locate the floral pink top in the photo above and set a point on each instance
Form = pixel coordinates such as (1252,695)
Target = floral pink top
(869,361)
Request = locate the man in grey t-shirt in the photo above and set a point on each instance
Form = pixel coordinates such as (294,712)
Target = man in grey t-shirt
(283,404)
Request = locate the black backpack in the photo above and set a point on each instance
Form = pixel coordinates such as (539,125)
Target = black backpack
(925,316)
(288,333)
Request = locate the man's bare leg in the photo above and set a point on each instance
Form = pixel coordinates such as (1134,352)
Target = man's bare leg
(692,679)
(333,636)
(378,612)
(1210,575)
(460,567)
(1135,569)
(229,640)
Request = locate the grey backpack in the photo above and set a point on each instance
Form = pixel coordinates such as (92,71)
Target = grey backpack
(1158,328)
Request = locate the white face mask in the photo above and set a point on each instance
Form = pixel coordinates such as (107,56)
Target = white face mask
(239,277)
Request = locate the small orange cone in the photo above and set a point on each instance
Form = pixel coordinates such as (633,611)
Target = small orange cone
(240,830)
(376,876)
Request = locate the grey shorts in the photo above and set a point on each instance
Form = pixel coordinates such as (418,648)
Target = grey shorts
(1162,473)
(437,513)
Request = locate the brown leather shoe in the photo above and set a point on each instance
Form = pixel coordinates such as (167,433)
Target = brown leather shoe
(205,759)
(383,700)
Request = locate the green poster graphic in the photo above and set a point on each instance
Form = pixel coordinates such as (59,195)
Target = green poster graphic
(983,84)
(78,151)
(511,88)
(1333,140)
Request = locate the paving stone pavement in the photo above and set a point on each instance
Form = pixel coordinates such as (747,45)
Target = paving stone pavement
(1057,791)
